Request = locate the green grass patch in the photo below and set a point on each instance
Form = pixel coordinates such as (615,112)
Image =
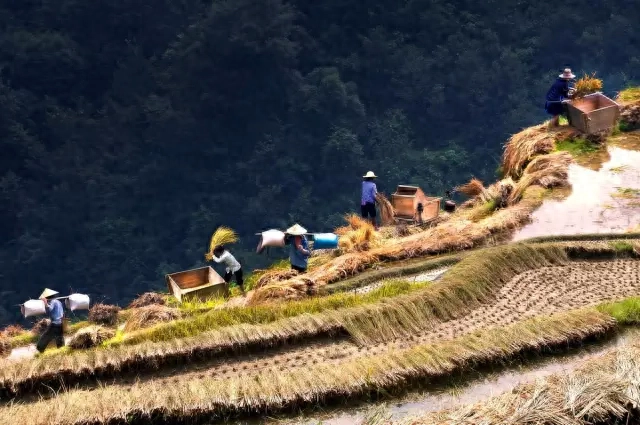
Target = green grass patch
(577,146)
(266,313)
(483,211)
(25,338)
(621,246)
(630,94)
(626,312)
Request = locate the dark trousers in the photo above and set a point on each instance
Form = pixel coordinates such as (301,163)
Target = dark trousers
(368,210)
(238,275)
(53,332)
(298,269)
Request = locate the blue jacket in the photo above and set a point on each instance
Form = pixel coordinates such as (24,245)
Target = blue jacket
(55,310)
(296,257)
(558,92)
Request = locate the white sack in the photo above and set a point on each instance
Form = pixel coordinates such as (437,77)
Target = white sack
(33,308)
(273,238)
(78,302)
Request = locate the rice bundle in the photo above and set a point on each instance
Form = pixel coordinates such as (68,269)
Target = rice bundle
(12,330)
(588,84)
(547,171)
(5,347)
(104,314)
(472,189)
(40,326)
(148,298)
(630,115)
(222,236)
(354,222)
(387,212)
(150,315)
(91,336)
(273,275)
(361,239)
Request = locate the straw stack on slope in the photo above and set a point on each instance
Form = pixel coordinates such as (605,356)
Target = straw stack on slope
(91,336)
(522,147)
(547,171)
(150,315)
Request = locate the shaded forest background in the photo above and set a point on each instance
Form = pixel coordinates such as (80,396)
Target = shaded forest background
(131,129)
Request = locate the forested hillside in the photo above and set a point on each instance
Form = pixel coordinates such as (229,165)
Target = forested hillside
(130,130)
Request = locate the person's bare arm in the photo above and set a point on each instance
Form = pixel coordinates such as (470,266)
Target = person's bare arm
(300,248)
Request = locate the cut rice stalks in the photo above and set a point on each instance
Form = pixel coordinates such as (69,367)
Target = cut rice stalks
(210,398)
(387,212)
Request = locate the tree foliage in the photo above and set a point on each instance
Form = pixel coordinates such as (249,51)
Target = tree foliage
(129,132)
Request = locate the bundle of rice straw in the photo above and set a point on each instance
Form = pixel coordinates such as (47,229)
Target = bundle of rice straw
(104,314)
(12,330)
(222,236)
(148,298)
(150,315)
(587,84)
(40,326)
(273,275)
(5,347)
(354,222)
(547,171)
(91,336)
(475,189)
(387,212)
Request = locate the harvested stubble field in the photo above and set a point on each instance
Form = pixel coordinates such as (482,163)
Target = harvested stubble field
(202,399)
(450,309)
(604,390)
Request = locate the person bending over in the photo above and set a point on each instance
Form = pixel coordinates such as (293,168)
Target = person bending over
(221,255)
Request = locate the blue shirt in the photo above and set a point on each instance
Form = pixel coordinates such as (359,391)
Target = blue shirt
(369,191)
(558,91)
(56,312)
(296,257)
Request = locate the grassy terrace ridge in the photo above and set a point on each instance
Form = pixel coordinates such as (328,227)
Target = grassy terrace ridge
(201,400)
(464,287)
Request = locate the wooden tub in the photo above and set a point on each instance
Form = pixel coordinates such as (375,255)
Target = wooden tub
(593,113)
(199,284)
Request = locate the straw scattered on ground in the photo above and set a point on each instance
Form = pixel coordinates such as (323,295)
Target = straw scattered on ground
(212,398)
(12,330)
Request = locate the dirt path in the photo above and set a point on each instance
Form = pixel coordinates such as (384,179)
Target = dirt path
(538,292)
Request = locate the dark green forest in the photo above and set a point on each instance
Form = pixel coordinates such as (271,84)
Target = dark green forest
(131,129)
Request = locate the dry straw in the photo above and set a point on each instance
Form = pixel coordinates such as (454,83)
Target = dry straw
(148,298)
(150,315)
(471,282)
(587,84)
(387,212)
(91,336)
(104,314)
(222,236)
(212,398)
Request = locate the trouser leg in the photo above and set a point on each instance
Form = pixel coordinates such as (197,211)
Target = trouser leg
(48,335)
(239,279)
(59,336)
(227,277)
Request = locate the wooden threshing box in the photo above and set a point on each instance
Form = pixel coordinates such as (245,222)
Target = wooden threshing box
(593,113)
(201,284)
(406,199)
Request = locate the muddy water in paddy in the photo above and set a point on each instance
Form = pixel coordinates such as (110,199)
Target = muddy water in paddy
(598,202)
(476,387)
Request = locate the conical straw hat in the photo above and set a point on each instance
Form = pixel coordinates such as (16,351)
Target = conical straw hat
(296,230)
(48,292)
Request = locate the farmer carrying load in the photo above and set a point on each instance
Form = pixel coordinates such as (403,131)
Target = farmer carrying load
(368,198)
(299,251)
(56,315)
(558,94)
(221,255)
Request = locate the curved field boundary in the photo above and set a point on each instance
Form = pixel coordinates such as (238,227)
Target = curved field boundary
(202,400)
(393,270)
(583,237)
(602,391)
(464,287)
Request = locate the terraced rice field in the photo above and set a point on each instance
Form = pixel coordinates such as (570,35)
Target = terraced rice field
(502,312)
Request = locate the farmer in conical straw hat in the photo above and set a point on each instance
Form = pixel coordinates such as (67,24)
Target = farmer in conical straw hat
(558,94)
(56,315)
(299,251)
(368,198)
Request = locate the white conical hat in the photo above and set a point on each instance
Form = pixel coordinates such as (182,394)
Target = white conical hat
(48,292)
(369,175)
(296,230)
